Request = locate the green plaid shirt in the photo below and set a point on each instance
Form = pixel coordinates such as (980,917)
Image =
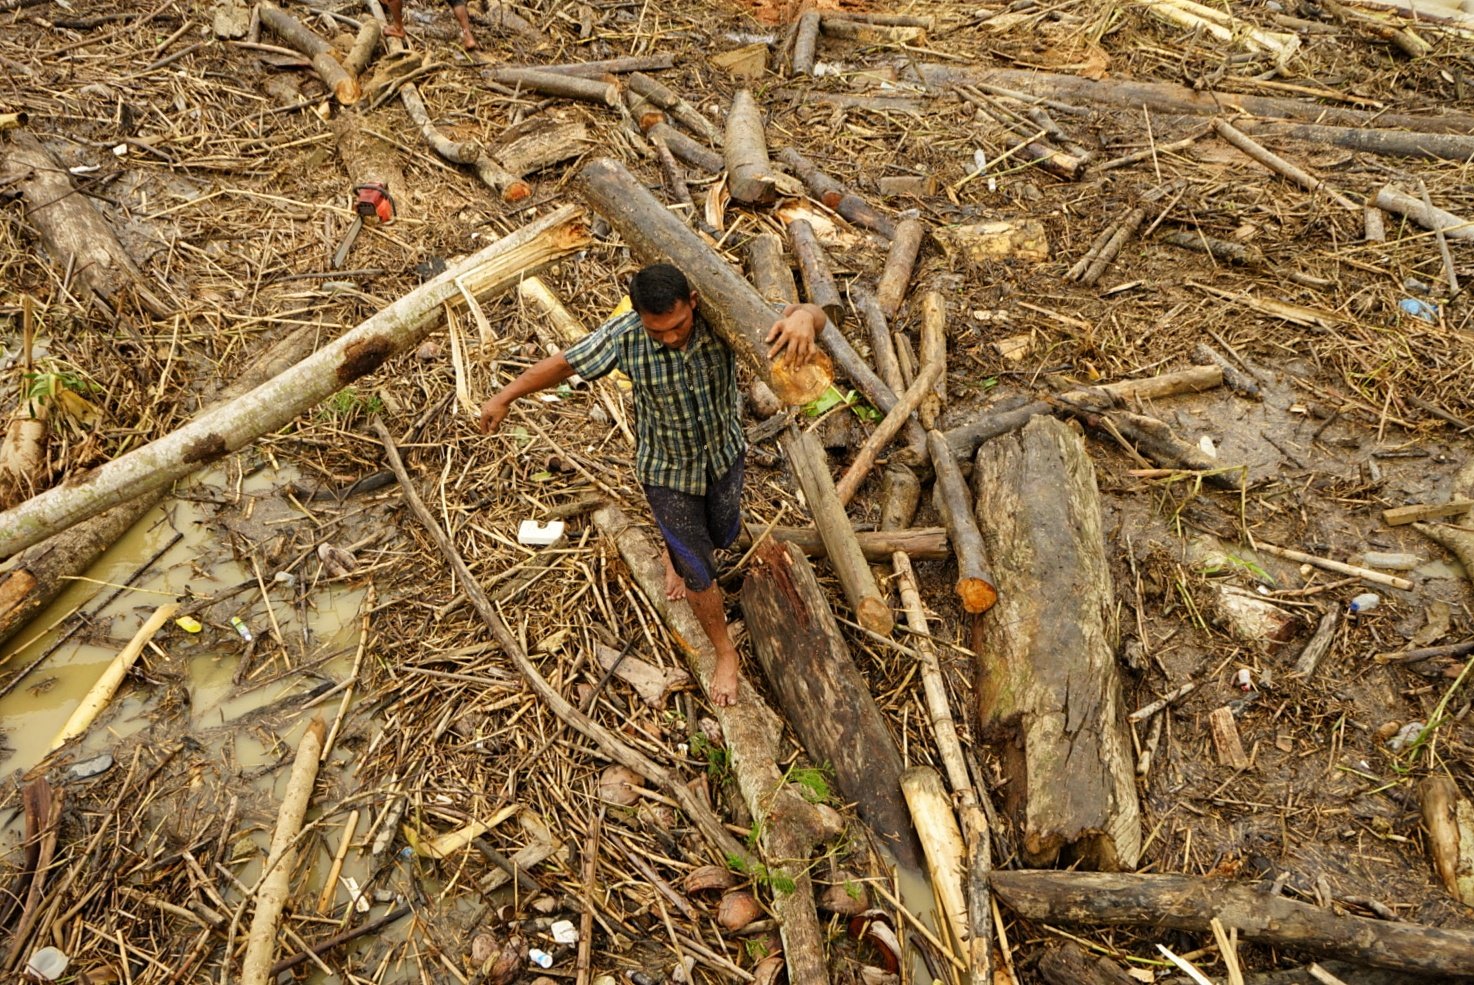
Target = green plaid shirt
(688,423)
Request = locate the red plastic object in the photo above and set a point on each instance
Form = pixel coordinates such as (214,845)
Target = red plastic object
(372,199)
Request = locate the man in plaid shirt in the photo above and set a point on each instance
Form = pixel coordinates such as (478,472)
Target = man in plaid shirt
(688,429)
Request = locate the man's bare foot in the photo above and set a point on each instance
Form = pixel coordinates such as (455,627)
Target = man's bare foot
(724,681)
(394,31)
(675,585)
(468,42)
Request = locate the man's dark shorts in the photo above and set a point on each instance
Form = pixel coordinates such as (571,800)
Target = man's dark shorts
(696,527)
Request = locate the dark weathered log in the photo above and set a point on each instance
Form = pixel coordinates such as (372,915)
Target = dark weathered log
(933,354)
(814,266)
(1236,379)
(835,196)
(888,366)
(750,176)
(324,62)
(1165,97)
(900,261)
(887,429)
(675,178)
(808,666)
(1393,143)
(1156,441)
(850,363)
(918,543)
(975,585)
(811,470)
(555,84)
(612,66)
(734,309)
(1427,216)
(900,495)
(271,406)
(768,268)
(691,151)
(1070,964)
(74,233)
(1047,690)
(789,826)
(805,43)
(1191,902)
(660,95)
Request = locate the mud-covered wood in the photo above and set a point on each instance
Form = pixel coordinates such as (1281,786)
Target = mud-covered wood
(1190,903)
(1070,964)
(77,237)
(829,705)
(1048,692)
(900,261)
(976,587)
(814,266)
(811,470)
(324,62)
(728,301)
(661,96)
(750,176)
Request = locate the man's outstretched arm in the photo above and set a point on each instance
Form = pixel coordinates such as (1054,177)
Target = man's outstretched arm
(539,376)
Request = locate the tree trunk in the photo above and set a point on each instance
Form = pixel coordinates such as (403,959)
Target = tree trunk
(395,329)
(735,310)
(1047,690)
(835,196)
(769,271)
(1191,902)
(76,235)
(900,261)
(367,158)
(811,471)
(34,578)
(693,152)
(1369,140)
(370,31)
(1427,216)
(790,827)
(809,668)
(806,43)
(1069,964)
(812,264)
(554,84)
(749,172)
(918,543)
(975,585)
(324,63)
(887,429)
(933,356)
(659,94)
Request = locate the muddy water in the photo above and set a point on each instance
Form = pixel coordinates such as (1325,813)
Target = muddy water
(195,567)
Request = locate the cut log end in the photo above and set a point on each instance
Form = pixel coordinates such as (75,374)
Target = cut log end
(347,92)
(876,616)
(976,594)
(516,192)
(798,385)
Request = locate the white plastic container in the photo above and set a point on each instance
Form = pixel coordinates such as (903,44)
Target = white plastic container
(1391,561)
(1365,602)
(533,534)
(47,964)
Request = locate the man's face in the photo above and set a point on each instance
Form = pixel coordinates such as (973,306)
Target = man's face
(672,329)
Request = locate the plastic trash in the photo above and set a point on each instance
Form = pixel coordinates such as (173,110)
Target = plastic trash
(1365,602)
(47,965)
(188,624)
(533,534)
(241,628)
(284,578)
(1419,308)
(1405,736)
(1244,679)
(1390,560)
(564,932)
(89,768)
(540,958)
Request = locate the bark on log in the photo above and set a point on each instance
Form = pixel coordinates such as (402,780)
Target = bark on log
(808,666)
(539,143)
(281,861)
(554,84)
(750,176)
(1191,902)
(864,460)
(73,232)
(855,368)
(1393,143)
(769,271)
(324,61)
(812,264)
(805,43)
(900,261)
(362,52)
(1069,964)
(1281,166)
(1048,693)
(790,827)
(1165,97)
(693,152)
(835,196)
(1449,820)
(33,579)
(734,309)
(918,543)
(395,329)
(888,366)
(933,356)
(900,495)
(811,471)
(1427,216)
(975,583)
(366,157)
(613,66)
(660,95)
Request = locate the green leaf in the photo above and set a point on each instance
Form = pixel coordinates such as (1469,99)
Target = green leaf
(826,401)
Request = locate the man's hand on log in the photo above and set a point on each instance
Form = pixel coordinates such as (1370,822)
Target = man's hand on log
(793,335)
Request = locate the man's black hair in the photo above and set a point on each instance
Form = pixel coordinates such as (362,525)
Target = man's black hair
(656,289)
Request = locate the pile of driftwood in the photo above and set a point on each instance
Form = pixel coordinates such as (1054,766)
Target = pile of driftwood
(1044,761)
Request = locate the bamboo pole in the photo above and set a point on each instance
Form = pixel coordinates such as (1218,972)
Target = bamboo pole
(107,685)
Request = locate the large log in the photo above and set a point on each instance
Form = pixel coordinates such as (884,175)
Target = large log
(789,826)
(750,175)
(811,471)
(737,312)
(809,668)
(1191,902)
(878,546)
(73,232)
(976,586)
(394,330)
(814,266)
(1048,694)
(324,62)
(1370,140)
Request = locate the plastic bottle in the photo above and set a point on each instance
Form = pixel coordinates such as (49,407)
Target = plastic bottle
(540,958)
(241,628)
(1365,602)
